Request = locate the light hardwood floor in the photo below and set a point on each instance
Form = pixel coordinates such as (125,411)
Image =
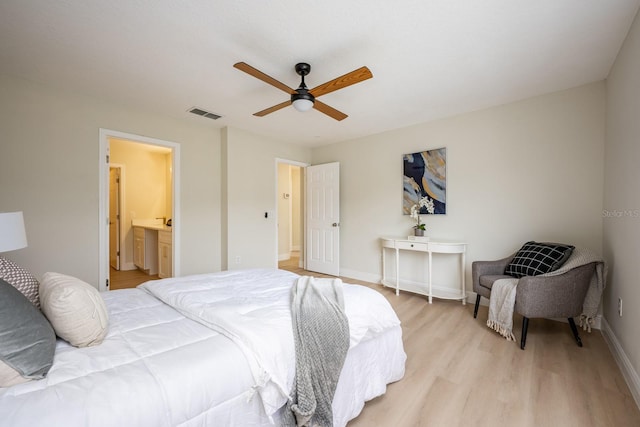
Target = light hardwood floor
(460,373)
(123,279)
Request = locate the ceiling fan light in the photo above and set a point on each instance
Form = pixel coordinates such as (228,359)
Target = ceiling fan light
(302,104)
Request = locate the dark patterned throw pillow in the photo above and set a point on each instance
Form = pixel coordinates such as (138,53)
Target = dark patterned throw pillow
(20,279)
(536,258)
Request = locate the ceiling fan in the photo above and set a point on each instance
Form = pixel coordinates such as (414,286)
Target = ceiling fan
(302,98)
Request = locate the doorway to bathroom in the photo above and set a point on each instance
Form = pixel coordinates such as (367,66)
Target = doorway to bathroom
(290,208)
(139,184)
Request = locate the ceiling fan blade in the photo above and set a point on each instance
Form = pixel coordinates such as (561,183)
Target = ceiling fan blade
(242,66)
(356,76)
(273,109)
(329,111)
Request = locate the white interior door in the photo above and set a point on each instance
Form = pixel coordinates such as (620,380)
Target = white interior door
(323,218)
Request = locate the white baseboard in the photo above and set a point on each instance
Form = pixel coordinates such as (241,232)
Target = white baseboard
(127,266)
(359,275)
(628,372)
(411,286)
(284,257)
(597,322)
(471,299)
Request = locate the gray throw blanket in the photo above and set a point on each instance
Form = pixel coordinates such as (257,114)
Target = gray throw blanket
(321,336)
(503,294)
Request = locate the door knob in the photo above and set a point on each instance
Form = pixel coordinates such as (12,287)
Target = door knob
(335,224)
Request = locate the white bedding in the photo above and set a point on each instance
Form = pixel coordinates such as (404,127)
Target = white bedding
(157,367)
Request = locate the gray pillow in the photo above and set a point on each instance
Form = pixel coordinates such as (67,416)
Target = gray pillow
(27,340)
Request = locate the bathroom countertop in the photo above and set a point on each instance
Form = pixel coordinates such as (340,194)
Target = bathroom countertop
(151,224)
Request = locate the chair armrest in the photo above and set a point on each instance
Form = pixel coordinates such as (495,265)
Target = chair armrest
(560,296)
(485,268)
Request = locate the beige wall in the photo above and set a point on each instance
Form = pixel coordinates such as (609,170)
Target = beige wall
(622,202)
(48,168)
(250,192)
(49,157)
(530,170)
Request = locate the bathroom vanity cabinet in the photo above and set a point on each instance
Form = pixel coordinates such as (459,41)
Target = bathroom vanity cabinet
(145,249)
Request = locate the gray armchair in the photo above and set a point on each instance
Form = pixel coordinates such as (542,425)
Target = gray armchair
(559,296)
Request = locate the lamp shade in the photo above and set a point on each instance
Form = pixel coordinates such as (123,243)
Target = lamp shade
(12,234)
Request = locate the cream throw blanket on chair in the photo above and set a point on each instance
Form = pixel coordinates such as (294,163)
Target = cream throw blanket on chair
(503,294)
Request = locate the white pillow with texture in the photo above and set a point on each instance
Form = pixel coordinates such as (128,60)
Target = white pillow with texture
(74,308)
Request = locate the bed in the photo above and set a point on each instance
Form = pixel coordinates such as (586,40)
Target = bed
(204,350)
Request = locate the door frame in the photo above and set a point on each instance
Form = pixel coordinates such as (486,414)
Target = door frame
(103,199)
(303,167)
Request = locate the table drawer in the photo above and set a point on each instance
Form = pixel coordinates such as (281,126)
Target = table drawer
(412,246)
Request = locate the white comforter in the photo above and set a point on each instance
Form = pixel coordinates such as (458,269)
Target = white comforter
(253,309)
(158,368)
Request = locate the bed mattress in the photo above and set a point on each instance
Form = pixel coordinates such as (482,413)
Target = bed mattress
(157,367)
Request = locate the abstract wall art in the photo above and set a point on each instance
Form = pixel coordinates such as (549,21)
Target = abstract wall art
(425,174)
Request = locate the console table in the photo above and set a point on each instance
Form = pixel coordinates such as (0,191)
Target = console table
(429,247)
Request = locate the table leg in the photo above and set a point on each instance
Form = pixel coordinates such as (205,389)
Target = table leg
(430,291)
(383,267)
(464,291)
(397,271)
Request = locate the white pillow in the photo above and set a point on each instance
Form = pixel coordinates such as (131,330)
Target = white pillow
(74,308)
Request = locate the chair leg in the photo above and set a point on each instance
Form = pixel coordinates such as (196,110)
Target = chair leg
(572,324)
(525,326)
(475,310)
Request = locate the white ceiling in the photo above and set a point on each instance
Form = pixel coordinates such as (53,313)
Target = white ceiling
(429,58)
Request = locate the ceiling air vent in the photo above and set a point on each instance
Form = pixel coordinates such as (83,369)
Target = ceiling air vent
(203,113)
